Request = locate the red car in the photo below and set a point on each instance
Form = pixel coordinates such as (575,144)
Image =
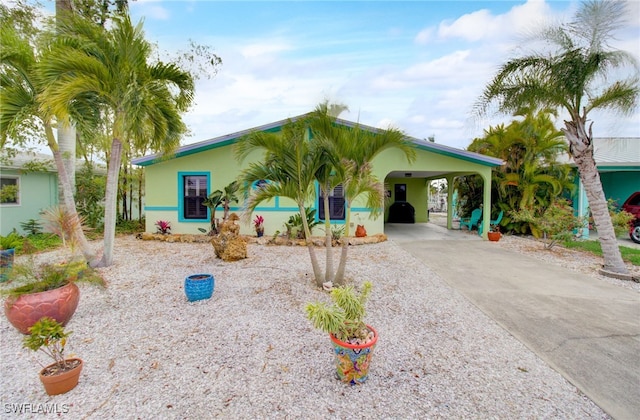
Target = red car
(632,205)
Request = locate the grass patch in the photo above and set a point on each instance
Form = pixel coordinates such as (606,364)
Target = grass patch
(631,255)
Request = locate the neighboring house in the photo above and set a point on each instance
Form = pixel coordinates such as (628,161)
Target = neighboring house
(34,178)
(35,190)
(176,185)
(618,162)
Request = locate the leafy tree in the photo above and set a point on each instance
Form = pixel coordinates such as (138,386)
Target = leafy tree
(531,176)
(578,73)
(22,114)
(556,223)
(140,103)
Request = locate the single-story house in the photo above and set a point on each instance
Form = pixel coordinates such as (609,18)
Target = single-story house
(25,193)
(176,185)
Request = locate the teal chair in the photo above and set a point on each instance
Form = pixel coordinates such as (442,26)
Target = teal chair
(491,222)
(472,221)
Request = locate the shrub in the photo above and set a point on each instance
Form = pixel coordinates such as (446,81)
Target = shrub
(556,224)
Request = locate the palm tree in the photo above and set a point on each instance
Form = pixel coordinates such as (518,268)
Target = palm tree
(66,131)
(21,111)
(531,176)
(139,103)
(355,149)
(578,76)
(325,134)
(289,167)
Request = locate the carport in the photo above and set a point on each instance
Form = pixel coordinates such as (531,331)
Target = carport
(408,183)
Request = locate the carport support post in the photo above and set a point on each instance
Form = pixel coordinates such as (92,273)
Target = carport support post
(486,202)
(450,191)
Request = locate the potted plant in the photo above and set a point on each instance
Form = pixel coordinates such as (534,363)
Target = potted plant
(8,245)
(49,336)
(45,290)
(39,290)
(494,234)
(353,340)
(258,225)
(199,286)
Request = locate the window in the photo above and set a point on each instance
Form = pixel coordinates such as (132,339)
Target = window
(194,193)
(336,204)
(261,183)
(9,188)
(401,192)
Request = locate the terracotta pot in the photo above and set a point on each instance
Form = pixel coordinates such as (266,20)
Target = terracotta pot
(361,232)
(352,361)
(59,304)
(199,286)
(61,382)
(494,236)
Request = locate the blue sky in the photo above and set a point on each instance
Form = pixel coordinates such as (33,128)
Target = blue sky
(418,65)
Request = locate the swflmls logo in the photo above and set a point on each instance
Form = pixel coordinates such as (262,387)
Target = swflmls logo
(29,408)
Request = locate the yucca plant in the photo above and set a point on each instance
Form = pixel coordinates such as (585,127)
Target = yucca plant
(344,319)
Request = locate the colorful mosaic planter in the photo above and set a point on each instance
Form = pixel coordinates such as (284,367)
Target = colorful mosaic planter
(6,263)
(199,286)
(352,361)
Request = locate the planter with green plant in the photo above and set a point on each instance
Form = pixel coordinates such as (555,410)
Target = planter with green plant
(353,340)
(494,234)
(36,290)
(49,336)
(8,245)
(45,290)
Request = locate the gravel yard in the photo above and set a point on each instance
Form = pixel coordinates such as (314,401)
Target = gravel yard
(249,351)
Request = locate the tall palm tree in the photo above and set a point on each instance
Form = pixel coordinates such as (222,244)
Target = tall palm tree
(21,111)
(578,76)
(66,130)
(325,133)
(355,149)
(289,167)
(140,102)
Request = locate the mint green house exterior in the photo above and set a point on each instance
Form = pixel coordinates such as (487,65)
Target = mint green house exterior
(36,191)
(200,168)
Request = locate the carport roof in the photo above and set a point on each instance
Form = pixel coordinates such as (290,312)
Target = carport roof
(276,126)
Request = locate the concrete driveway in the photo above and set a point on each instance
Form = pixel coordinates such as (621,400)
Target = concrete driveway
(586,329)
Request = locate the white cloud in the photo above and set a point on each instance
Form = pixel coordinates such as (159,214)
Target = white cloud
(151,9)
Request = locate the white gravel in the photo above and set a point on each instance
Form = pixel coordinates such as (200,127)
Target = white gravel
(249,351)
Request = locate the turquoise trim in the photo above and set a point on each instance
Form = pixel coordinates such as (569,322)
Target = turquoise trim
(160,208)
(460,155)
(180,189)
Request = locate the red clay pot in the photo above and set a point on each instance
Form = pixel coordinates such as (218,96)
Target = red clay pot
(59,304)
(494,236)
(61,382)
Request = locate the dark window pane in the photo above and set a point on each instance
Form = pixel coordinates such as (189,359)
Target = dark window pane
(195,192)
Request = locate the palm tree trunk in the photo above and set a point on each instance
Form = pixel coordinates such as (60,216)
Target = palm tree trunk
(67,197)
(339,279)
(328,274)
(111,203)
(317,273)
(582,151)
(67,145)
(66,131)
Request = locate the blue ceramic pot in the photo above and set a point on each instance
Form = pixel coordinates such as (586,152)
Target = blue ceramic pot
(198,286)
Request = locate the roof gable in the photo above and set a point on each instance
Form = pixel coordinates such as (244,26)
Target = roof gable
(277,126)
